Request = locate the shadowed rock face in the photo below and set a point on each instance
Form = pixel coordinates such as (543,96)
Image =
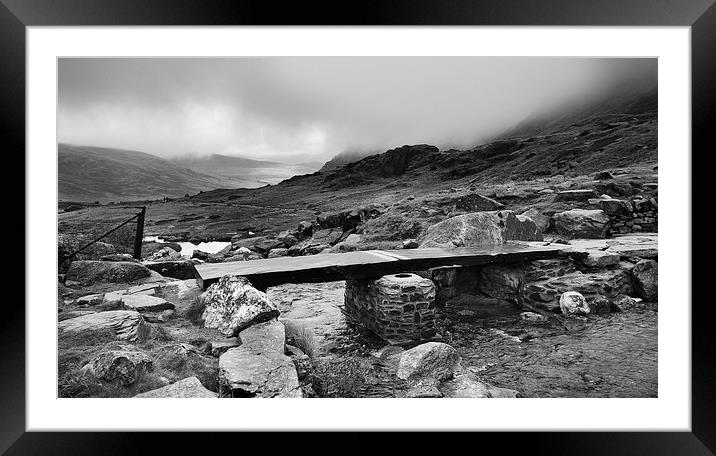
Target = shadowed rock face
(481,228)
(232,305)
(86,272)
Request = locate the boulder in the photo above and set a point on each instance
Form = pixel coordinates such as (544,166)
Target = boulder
(232,305)
(182,293)
(89,300)
(582,223)
(89,272)
(573,303)
(615,207)
(646,279)
(264,337)
(189,387)
(349,244)
(144,303)
(288,238)
(532,317)
(179,269)
(599,305)
(625,303)
(481,228)
(126,324)
(432,361)
(166,253)
(327,236)
(125,365)
(541,220)
(247,373)
(468,386)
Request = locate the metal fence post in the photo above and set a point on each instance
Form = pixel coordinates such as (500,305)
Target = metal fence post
(140,234)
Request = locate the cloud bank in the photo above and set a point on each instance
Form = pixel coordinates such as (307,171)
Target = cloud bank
(298,109)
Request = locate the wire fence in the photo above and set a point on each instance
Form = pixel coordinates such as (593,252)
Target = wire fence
(94,234)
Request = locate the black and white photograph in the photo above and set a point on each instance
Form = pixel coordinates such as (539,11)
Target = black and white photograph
(357,227)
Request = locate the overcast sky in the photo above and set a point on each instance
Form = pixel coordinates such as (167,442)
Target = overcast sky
(298,109)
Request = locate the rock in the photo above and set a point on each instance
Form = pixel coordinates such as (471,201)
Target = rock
(90,272)
(410,244)
(182,293)
(575,195)
(277,253)
(604,175)
(422,391)
(573,303)
(189,387)
(481,228)
(304,229)
(582,223)
(264,337)
(541,220)
(614,207)
(646,280)
(625,303)
(89,300)
(468,386)
(220,347)
(246,373)
(180,269)
(74,314)
(144,303)
(532,317)
(432,361)
(609,283)
(124,366)
(232,305)
(327,236)
(200,255)
(126,324)
(166,253)
(118,257)
(349,244)
(599,305)
(113,300)
(303,365)
(287,238)
(600,259)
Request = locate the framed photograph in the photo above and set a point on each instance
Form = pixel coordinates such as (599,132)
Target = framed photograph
(422,216)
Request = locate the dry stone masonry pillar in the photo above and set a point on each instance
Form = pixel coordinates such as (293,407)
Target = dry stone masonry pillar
(399,308)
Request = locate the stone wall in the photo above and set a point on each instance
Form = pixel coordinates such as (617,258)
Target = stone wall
(399,308)
(637,215)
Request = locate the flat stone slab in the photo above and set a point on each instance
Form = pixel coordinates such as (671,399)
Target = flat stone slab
(187,388)
(263,337)
(126,324)
(144,303)
(248,373)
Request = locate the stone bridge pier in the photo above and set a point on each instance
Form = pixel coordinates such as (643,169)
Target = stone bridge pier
(399,308)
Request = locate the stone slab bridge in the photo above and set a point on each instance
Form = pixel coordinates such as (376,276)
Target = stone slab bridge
(381,291)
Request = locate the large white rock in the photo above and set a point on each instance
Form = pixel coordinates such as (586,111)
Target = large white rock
(232,305)
(248,373)
(429,361)
(573,303)
(126,324)
(481,228)
(188,387)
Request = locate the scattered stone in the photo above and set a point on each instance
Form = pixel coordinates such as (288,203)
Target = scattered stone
(646,280)
(144,303)
(604,175)
(464,386)
(126,324)
(125,365)
(582,223)
(349,244)
(87,272)
(429,361)
(575,195)
(410,244)
(277,253)
(166,253)
(615,207)
(541,220)
(573,303)
(232,305)
(625,303)
(189,387)
(182,293)
(599,305)
(532,317)
(89,300)
(246,373)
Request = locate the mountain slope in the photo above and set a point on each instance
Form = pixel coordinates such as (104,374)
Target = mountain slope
(243,172)
(97,173)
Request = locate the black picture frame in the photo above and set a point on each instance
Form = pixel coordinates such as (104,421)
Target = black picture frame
(700,15)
